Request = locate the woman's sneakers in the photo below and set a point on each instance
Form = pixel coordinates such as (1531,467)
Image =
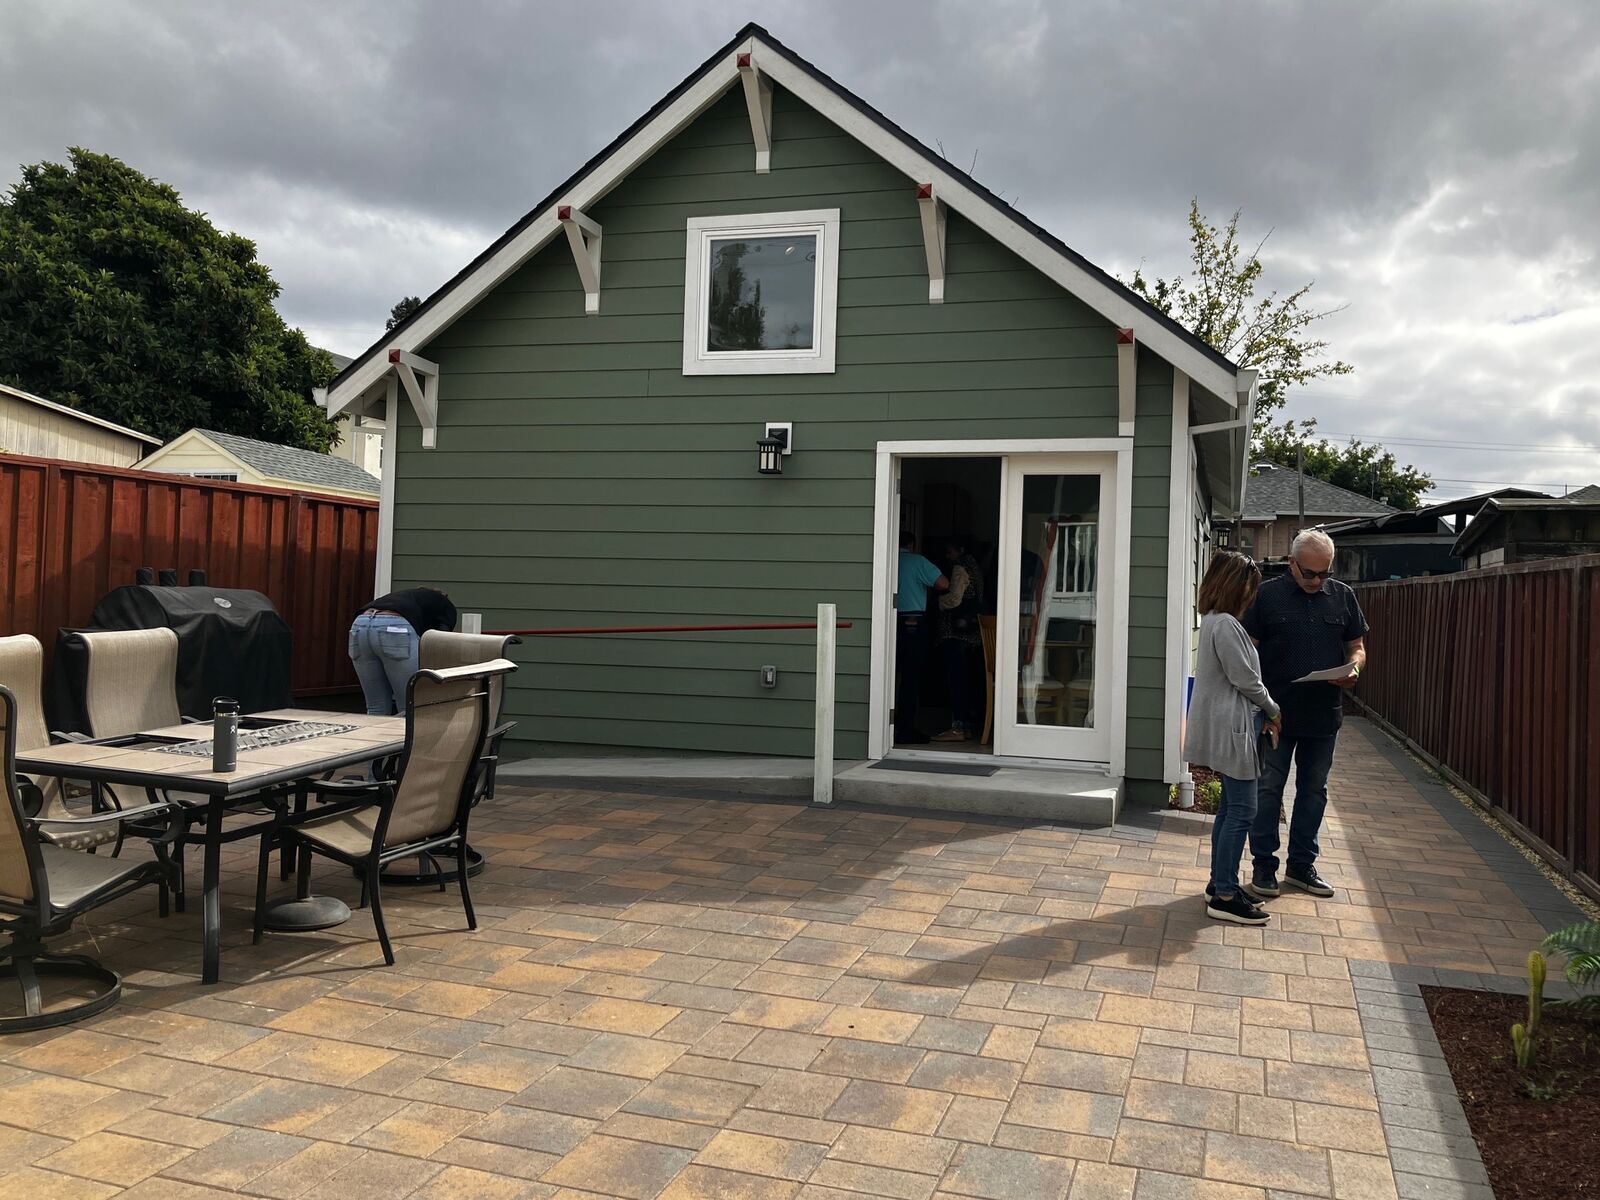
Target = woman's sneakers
(1238,908)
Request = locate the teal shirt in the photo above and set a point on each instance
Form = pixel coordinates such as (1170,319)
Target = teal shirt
(917,575)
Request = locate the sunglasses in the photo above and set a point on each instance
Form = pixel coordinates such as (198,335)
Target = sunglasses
(1328,574)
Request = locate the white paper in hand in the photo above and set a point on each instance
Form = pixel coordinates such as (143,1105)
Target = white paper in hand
(1331,675)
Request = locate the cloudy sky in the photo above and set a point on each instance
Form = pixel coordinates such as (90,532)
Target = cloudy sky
(1435,167)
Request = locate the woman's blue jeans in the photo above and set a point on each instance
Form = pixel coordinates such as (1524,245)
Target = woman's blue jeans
(383,648)
(1229,830)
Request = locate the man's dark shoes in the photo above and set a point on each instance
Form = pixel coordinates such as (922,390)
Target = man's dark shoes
(1263,884)
(1237,908)
(1307,880)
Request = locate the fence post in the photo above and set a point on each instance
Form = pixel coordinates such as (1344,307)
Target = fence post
(822,765)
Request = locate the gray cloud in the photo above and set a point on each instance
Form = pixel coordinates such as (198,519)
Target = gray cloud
(1434,165)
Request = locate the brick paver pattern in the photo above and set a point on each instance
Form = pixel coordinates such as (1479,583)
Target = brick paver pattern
(685,997)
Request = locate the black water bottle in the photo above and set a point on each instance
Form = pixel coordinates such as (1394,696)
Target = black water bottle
(224,734)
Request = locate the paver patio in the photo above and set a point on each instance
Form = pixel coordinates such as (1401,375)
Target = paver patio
(683,996)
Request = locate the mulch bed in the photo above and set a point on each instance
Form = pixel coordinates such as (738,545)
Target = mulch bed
(1537,1129)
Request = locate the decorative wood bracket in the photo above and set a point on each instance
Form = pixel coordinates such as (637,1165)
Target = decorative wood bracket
(583,235)
(758,99)
(1127,362)
(424,396)
(933,225)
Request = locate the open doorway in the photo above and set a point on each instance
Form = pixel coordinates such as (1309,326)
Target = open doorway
(949,533)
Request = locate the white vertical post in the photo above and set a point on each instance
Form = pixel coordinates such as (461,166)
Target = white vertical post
(822,766)
(471,622)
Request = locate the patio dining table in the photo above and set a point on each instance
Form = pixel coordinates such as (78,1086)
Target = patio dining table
(178,760)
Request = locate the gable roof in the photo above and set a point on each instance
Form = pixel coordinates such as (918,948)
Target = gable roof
(963,194)
(1275,492)
(1501,507)
(68,410)
(294,465)
(1587,494)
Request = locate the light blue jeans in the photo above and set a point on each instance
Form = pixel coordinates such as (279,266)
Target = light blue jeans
(383,648)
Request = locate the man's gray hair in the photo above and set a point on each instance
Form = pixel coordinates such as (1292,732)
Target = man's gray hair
(1311,539)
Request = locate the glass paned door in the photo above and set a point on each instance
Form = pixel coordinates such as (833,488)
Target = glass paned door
(1052,680)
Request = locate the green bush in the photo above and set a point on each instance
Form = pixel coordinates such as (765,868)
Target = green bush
(1580,945)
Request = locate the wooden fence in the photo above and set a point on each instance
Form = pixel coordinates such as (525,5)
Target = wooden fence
(70,532)
(1495,675)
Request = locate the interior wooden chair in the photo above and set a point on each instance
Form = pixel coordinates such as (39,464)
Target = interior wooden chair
(423,811)
(44,887)
(986,629)
(22,671)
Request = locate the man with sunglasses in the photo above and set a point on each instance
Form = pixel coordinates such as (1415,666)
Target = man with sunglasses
(1302,622)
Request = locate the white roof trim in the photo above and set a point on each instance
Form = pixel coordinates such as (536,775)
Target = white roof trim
(30,398)
(715,79)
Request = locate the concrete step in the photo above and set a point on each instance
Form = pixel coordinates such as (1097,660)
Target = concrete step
(1040,793)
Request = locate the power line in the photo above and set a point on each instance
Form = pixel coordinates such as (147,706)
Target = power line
(1444,444)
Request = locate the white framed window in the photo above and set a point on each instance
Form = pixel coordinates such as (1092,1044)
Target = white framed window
(760,293)
(224,476)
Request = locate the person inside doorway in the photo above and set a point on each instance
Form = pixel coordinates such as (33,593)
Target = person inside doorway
(960,641)
(912,644)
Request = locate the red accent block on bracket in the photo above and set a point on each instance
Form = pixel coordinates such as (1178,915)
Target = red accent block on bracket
(1124,337)
(394,356)
(745,59)
(924,191)
(564,213)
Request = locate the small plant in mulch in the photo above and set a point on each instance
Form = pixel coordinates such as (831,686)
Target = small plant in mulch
(1528,1074)
(1207,793)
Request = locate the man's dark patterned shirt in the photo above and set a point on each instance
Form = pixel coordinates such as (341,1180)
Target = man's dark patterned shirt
(1299,633)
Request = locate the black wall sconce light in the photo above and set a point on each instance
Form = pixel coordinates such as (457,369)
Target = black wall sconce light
(773,445)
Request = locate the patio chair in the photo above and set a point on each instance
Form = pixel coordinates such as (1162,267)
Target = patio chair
(22,671)
(131,686)
(423,811)
(44,887)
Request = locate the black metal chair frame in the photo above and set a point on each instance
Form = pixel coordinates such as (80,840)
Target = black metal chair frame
(24,959)
(337,797)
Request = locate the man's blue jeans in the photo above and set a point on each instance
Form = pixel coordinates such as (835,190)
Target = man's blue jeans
(383,648)
(1313,759)
(1228,830)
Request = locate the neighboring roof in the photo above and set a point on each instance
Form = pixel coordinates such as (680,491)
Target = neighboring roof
(1592,492)
(293,465)
(1421,519)
(340,361)
(1497,508)
(1274,492)
(30,398)
(962,193)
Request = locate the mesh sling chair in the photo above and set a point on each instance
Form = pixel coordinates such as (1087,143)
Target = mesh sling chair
(45,887)
(424,810)
(439,650)
(131,687)
(22,671)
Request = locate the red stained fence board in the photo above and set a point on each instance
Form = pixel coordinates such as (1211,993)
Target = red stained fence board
(1496,675)
(70,532)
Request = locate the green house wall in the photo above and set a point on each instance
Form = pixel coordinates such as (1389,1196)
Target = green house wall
(581,479)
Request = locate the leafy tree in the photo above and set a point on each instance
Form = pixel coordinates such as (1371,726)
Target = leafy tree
(1360,467)
(1272,333)
(401,311)
(117,299)
(1219,305)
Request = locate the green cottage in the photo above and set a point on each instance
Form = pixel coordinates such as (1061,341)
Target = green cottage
(717,375)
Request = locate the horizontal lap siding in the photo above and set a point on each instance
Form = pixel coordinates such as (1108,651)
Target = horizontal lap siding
(581,479)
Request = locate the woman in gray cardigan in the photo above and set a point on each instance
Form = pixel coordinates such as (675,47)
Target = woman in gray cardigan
(1222,732)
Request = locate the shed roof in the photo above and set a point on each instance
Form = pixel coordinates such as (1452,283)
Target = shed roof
(294,465)
(1498,508)
(67,410)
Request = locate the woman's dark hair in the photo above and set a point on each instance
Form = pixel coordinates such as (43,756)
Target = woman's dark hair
(1231,583)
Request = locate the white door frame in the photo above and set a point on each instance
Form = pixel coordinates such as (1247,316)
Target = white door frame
(885,544)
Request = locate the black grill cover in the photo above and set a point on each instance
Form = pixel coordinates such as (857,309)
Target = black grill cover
(230,643)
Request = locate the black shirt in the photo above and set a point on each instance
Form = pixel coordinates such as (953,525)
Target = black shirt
(1299,633)
(424,608)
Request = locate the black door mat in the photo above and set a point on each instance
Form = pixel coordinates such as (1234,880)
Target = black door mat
(924,767)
